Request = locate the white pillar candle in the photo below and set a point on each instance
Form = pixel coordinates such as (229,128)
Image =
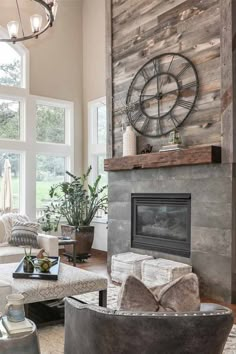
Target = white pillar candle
(129,142)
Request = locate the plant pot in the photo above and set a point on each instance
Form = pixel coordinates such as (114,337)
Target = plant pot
(84,236)
(28,266)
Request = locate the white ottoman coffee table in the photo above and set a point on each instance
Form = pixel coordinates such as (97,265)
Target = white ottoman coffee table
(71,281)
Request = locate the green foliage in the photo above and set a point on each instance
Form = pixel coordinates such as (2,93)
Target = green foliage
(77,201)
(9,119)
(49,221)
(50,124)
(47,166)
(10,74)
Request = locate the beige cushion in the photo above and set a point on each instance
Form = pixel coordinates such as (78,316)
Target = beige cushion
(8,220)
(180,295)
(135,296)
(11,254)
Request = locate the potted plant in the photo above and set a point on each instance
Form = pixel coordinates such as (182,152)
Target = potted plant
(28,264)
(78,202)
(47,221)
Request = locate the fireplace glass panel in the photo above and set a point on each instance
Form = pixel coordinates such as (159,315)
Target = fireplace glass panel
(168,222)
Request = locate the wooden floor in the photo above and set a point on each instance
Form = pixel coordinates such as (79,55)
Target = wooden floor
(98,263)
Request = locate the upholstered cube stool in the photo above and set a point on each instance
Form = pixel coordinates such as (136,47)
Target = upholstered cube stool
(161,271)
(125,264)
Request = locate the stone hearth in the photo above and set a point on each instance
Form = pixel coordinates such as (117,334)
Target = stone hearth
(211,192)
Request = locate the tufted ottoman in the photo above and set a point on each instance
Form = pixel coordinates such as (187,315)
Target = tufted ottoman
(125,264)
(71,281)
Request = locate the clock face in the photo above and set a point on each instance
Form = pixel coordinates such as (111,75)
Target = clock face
(162,95)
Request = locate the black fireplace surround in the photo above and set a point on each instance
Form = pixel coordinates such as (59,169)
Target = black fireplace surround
(161,222)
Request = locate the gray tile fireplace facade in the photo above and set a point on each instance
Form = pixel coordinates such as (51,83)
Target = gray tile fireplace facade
(212,231)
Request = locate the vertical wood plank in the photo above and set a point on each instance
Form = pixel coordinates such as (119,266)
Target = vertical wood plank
(227,81)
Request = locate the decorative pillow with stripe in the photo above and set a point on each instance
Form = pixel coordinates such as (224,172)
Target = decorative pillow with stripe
(24,234)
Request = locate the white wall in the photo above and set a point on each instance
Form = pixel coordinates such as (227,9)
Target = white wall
(94,82)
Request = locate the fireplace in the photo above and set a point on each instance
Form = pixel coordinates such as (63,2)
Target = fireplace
(161,222)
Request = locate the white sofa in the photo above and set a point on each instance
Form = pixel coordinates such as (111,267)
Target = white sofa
(11,254)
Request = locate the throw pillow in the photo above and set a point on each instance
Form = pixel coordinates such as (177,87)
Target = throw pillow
(8,220)
(24,234)
(180,295)
(135,296)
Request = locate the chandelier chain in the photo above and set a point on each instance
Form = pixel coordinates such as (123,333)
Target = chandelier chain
(19,14)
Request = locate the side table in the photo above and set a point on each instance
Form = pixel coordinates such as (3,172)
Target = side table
(63,242)
(23,343)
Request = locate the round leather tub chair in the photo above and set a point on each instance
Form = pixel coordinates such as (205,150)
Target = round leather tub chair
(97,330)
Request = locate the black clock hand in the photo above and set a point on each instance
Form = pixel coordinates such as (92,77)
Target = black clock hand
(168,69)
(148,99)
(169,92)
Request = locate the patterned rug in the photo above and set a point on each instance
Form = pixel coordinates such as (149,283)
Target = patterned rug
(52,338)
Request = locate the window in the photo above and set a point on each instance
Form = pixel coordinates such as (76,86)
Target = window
(10,66)
(35,135)
(10,117)
(50,124)
(50,170)
(97,141)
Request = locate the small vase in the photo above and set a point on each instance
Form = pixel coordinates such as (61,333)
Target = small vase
(28,266)
(129,142)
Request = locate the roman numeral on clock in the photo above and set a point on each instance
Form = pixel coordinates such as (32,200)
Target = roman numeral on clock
(185,104)
(135,118)
(145,75)
(156,66)
(159,127)
(145,125)
(185,68)
(189,85)
(174,120)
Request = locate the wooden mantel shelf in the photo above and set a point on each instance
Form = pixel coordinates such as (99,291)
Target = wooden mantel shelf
(191,156)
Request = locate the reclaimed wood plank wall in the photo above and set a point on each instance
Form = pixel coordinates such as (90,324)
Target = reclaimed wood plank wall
(143,29)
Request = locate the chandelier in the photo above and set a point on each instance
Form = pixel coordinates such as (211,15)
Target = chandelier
(36,21)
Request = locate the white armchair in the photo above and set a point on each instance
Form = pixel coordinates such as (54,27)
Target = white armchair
(49,243)
(11,254)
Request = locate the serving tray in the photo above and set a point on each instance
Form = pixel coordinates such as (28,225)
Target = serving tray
(36,274)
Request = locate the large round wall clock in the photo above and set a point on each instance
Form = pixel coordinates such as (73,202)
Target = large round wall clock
(162,94)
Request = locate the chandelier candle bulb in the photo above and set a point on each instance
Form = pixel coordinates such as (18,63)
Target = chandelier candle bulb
(36,23)
(129,142)
(13,28)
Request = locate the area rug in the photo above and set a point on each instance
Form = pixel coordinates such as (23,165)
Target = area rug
(52,338)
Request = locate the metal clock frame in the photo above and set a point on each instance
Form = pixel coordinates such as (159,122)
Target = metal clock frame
(177,98)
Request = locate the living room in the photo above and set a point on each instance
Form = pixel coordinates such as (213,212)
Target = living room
(117,176)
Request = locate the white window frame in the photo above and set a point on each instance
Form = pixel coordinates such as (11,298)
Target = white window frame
(95,149)
(27,146)
(24,53)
